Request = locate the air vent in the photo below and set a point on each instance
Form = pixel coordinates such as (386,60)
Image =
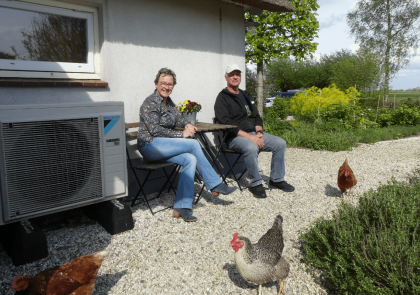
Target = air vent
(50,164)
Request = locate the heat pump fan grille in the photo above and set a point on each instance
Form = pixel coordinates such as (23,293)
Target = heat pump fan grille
(51,164)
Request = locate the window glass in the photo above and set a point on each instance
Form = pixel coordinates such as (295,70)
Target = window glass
(42,38)
(36,36)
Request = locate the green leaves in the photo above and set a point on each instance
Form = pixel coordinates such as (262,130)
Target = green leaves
(280,108)
(361,69)
(282,34)
(372,248)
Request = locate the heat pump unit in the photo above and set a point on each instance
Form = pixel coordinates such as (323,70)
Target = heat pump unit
(60,156)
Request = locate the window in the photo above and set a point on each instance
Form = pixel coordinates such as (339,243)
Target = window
(47,39)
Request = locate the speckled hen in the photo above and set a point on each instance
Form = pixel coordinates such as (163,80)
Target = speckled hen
(262,262)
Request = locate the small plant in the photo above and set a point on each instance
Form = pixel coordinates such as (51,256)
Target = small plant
(373,248)
(280,108)
(188,106)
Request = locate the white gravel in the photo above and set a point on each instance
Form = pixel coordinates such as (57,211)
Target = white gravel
(163,255)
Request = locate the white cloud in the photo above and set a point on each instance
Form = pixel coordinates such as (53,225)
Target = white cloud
(331,21)
(354,47)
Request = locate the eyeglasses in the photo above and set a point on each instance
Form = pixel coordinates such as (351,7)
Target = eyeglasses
(163,84)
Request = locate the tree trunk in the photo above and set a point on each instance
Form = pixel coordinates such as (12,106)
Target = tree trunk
(260,87)
(387,48)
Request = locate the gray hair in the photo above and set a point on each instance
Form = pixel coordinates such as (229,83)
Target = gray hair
(165,72)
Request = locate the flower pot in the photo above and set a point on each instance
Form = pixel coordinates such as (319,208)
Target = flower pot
(190,117)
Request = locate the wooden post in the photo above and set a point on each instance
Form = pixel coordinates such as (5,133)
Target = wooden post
(319,101)
(354,103)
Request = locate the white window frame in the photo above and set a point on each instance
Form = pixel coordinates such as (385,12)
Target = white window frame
(41,69)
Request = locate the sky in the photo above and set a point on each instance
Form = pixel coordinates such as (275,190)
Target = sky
(334,35)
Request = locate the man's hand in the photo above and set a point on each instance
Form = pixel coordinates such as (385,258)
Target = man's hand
(258,138)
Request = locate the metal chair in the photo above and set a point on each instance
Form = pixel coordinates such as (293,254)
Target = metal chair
(140,164)
(225,152)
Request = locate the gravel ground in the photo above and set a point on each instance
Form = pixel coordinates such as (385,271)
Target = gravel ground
(163,255)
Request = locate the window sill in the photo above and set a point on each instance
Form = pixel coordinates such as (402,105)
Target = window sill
(14,82)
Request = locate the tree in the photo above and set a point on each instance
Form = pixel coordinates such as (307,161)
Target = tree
(287,73)
(281,34)
(56,38)
(360,70)
(389,28)
(5,55)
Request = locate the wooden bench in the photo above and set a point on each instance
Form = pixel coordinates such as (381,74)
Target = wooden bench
(149,167)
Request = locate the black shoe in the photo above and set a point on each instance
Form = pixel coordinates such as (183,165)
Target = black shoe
(185,214)
(258,191)
(283,185)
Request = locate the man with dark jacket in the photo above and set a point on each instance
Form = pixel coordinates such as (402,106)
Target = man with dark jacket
(236,107)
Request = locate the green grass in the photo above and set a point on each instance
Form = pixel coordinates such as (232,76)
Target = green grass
(317,137)
(372,248)
(402,95)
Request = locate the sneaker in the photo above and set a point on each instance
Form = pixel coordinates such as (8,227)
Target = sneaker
(283,185)
(258,191)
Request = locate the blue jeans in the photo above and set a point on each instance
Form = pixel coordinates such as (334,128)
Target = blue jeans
(250,151)
(188,154)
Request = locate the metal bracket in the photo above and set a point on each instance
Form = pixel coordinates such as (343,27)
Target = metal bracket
(117,204)
(26,224)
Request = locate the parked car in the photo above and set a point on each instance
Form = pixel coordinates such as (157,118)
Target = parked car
(269,101)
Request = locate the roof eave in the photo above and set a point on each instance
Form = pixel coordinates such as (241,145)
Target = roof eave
(270,5)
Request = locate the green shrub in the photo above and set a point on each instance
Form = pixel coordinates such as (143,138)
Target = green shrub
(373,248)
(385,117)
(411,103)
(265,111)
(348,114)
(309,105)
(406,115)
(280,108)
(274,126)
(386,133)
(331,125)
(317,139)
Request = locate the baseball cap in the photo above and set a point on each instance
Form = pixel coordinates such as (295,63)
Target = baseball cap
(231,68)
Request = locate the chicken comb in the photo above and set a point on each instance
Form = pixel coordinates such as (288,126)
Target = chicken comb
(235,237)
(14,283)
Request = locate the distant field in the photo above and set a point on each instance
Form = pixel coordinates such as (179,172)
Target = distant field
(400,95)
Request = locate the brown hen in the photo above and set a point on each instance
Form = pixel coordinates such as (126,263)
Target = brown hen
(346,179)
(76,277)
(262,262)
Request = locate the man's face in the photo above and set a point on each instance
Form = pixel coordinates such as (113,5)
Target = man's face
(233,79)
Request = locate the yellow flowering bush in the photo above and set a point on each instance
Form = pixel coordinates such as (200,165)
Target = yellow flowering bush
(189,106)
(310,104)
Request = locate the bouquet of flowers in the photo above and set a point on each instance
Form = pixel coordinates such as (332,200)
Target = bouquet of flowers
(188,106)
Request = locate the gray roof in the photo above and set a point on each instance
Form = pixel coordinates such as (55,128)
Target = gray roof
(270,5)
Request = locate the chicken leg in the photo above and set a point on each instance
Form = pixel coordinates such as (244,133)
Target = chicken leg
(259,289)
(281,288)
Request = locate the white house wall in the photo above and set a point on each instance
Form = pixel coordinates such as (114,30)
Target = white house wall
(195,38)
